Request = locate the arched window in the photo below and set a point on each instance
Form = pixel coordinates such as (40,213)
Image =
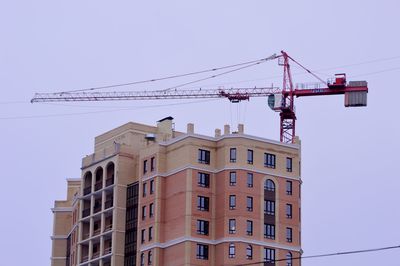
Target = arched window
(269,185)
(110,174)
(289,259)
(88,183)
(249,252)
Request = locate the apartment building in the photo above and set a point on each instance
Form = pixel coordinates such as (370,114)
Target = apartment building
(150,195)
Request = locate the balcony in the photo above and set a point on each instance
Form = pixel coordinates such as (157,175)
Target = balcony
(95,255)
(98,186)
(97,208)
(87,190)
(109,181)
(85,258)
(107,251)
(108,227)
(96,232)
(108,204)
(85,212)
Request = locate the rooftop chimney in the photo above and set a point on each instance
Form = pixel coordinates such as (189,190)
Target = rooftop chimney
(190,128)
(227,130)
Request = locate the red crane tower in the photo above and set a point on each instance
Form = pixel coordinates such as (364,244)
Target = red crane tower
(280,100)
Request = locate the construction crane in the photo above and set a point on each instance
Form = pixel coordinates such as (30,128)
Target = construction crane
(279,99)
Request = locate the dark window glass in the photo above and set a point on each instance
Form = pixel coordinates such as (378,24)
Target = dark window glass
(250,156)
(269,231)
(202,227)
(289,164)
(269,160)
(142,259)
(152,164)
(232,202)
(203,203)
(289,235)
(204,156)
(151,210)
(144,189)
(289,211)
(202,252)
(232,178)
(152,186)
(269,255)
(249,227)
(249,204)
(289,187)
(232,155)
(232,250)
(269,185)
(249,179)
(144,166)
(143,212)
(249,252)
(269,207)
(232,226)
(143,235)
(150,233)
(289,259)
(150,258)
(203,180)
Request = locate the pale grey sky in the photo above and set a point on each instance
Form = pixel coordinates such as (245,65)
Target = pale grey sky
(351,184)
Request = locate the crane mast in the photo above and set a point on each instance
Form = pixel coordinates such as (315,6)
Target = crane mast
(279,99)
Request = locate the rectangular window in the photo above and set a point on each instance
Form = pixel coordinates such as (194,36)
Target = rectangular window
(289,164)
(144,166)
(151,210)
(144,189)
(232,178)
(150,258)
(203,203)
(232,202)
(143,235)
(249,179)
(204,156)
(289,187)
(143,212)
(269,231)
(249,227)
(152,164)
(203,180)
(202,227)
(249,204)
(152,186)
(232,251)
(232,155)
(142,259)
(289,211)
(289,235)
(269,207)
(150,233)
(250,156)
(202,252)
(232,226)
(269,160)
(269,255)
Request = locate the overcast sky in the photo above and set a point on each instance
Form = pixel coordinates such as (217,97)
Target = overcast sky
(349,155)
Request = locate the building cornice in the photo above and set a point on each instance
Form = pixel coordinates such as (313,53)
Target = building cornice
(194,167)
(230,136)
(62,209)
(219,241)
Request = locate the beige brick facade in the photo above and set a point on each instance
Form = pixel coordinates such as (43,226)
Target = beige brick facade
(155,196)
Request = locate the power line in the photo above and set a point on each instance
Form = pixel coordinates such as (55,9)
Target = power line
(176,76)
(328,255)
(104,111)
